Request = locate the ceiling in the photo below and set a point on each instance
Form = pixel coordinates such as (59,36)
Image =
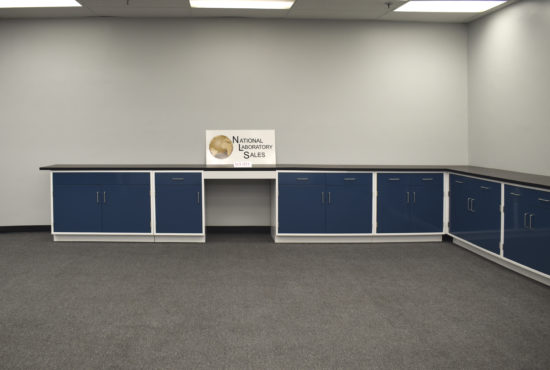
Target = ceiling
(302,9)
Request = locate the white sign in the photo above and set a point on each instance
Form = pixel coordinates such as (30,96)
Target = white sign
(242,148)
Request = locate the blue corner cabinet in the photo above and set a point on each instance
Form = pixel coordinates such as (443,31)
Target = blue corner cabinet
(101,202)
(410,202)
(325,203)
(527,227)
(474,211)
(178,202)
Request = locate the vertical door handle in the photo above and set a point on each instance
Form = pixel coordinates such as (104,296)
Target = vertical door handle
(329,200)
(414,196)
(323,197)
(408,197)
(198,197)
(472,206)
(104,197)
(525,220)
(97,197)
(531,216)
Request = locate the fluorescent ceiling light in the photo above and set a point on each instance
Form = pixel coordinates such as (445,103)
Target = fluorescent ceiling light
(242,4)
(456,6)
(38,3)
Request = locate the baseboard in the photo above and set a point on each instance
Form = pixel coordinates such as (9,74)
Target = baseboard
(238,229)
(26,228)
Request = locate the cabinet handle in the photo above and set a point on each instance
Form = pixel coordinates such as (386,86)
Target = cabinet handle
(515,194)
(97,197)
(531,216)
(472,206)
(394,179)
(302,178)
(329,200)
(104,197)
(408,197)
(178,178)
(198,197)
(323,197)
(459,182)
(544,200)
(485,187)
(525,220)
(414,196)
(349,178)
(468,202)
(427,178)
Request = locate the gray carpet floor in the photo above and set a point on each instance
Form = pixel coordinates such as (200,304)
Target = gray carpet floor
(242,302)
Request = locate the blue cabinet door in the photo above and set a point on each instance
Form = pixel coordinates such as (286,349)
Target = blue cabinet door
(301,208)
(527,227)
(459,207)
(179,208)
(427,208)
(485,213)
(394,197)
(539,222)
(77,208)
(126,209)
(517,236)
(349,209)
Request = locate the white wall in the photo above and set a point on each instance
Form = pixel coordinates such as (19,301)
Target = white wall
(144,91)
(509,89)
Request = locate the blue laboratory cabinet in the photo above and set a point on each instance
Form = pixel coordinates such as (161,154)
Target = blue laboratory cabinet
(410,202)
(108,202)
(474,211)
(178,203)
(527,227)
(332,203)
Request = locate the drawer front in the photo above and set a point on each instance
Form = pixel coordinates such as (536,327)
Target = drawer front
(529,196)
(429,179)
(396,179)
(178,178)
(305,178)
(101,178)
(355,178)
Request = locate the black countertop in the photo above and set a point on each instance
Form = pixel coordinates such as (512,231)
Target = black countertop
(489,173)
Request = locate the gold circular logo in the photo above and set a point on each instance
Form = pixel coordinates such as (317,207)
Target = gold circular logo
(221,147)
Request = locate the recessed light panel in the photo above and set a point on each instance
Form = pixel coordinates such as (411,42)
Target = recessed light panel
(38,4)
(455,6)
(242,4)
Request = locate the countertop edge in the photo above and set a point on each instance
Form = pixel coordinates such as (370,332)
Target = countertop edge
(518,178)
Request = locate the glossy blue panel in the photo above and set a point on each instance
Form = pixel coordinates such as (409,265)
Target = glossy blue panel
(178,178)
(101,178)
(302,208)
(394,199)
(352,178)
(349,209)
(126,209)
(76,208)
(305,178)
(179,209)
